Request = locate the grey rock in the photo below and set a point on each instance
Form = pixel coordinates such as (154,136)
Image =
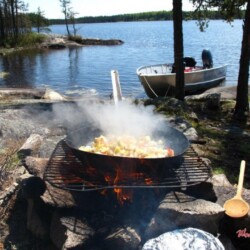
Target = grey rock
(70,232)
(123,238)
(209,100)
(221,181)
(31,144)
(179,210)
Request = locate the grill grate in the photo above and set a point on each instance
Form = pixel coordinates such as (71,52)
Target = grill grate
(65,171)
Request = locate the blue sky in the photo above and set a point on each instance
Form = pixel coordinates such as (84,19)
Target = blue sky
(52,9)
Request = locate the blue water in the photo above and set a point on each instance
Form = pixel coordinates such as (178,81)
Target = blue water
(86,70)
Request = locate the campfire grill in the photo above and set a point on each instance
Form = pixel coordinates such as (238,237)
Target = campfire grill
(66,171)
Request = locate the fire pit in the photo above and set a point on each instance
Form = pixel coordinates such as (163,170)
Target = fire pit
(82,170)
(66,171)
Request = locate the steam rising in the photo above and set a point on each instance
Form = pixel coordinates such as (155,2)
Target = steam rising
(124,118)
(121,119)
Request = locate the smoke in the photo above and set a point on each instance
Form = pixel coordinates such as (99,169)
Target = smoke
(121,119)
(125,118)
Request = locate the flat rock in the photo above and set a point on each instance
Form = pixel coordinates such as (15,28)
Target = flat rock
(53,95)
(220,180)
(22,92)
(226,92)
(122,238)
(69,231)
(178,210)
(35,165)
(56,197)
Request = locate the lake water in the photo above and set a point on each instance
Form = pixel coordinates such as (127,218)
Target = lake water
(86,70)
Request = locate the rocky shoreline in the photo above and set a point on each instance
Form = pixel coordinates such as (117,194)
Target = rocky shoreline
(61,42)
(53,41)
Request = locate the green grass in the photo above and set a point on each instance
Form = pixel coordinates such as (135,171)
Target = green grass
(30,39)
(23,41)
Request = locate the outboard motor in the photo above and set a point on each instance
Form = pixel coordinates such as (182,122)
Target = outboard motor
(207,59)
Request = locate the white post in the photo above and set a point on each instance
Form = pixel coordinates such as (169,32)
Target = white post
(117,93)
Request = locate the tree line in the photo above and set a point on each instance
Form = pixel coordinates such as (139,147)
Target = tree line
(16,22)
(145,16)
(13,21)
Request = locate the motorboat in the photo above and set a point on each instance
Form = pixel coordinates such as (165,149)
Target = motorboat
(159,80)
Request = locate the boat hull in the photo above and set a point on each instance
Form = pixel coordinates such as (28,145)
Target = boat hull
(157,80)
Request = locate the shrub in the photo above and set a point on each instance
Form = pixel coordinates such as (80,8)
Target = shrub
(30,39)
(77,39)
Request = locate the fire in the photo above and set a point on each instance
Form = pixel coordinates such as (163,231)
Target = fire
(122,194)
(108,178)
(125,194)
(148,181)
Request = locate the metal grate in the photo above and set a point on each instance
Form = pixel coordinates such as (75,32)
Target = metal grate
(65,171)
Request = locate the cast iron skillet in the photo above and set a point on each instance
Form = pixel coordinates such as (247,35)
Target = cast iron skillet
(172,138)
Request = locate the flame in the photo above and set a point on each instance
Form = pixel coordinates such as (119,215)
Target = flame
(148,181)
(123,195)
(108,178)
(115,179)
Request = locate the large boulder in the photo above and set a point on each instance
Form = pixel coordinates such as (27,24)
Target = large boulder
(53,95)
(179,210)
(70,232)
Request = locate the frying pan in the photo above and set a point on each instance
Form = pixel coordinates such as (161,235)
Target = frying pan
(104,164)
